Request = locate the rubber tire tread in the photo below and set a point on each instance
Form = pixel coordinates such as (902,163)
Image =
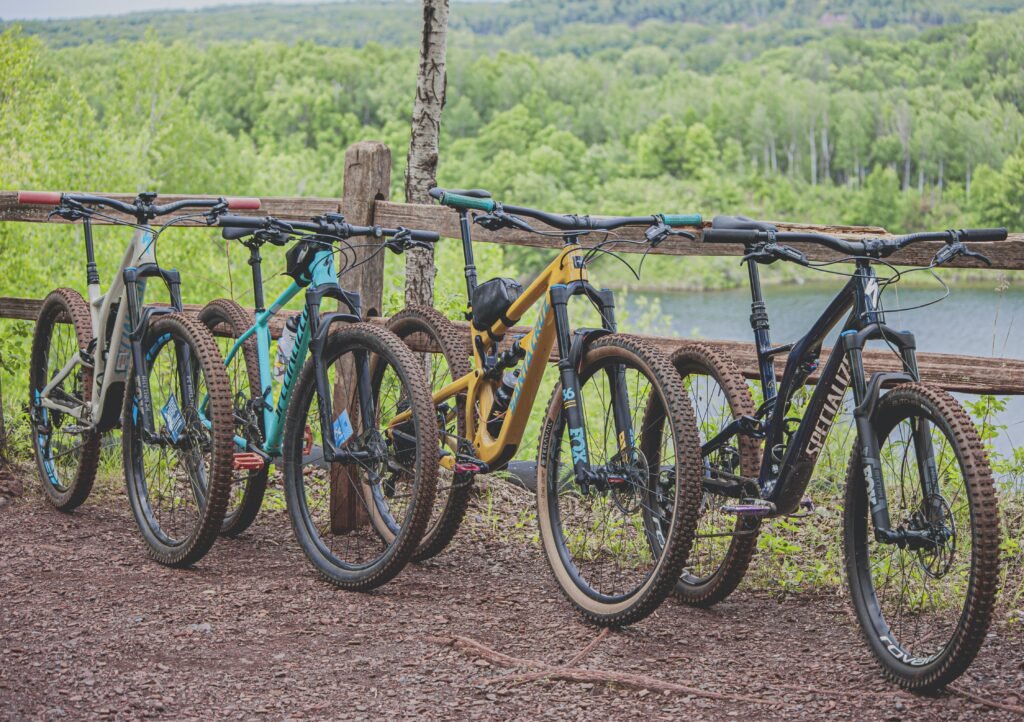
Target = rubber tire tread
(221,416)
(687,451)
(72,304)
(360,334)
(226,311)
(700,358)
(974,623)
(455,349)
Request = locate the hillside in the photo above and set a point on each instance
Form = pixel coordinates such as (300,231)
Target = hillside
(579,26)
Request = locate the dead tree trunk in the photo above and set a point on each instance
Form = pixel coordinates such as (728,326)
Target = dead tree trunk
(421,170)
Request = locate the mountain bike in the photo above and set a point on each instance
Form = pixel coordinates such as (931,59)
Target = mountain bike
(114,362)
(358,488)
(920,526)
(615,537)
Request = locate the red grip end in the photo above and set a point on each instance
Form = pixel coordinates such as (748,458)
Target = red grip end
(244,204)
(43,198)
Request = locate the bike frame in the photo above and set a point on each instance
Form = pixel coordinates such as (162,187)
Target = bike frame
(564,277)
(311,334)
(787,465)
(118,325)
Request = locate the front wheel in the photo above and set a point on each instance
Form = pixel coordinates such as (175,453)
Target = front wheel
(618,544)
(179,472)
(359,519)
(924,607)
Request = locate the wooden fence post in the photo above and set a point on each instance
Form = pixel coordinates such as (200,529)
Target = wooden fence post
(367,180)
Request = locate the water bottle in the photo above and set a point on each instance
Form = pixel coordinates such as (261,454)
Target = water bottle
(502,396)
(284,347)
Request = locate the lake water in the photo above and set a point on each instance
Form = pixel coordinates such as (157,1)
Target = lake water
(974,320)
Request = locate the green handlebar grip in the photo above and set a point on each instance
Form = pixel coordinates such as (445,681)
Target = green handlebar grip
(690,219)
(456,201)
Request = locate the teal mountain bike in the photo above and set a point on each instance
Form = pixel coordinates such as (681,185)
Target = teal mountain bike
(358,492)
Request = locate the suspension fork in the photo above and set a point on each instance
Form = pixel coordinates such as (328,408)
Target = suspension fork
(134,290)
(582,469)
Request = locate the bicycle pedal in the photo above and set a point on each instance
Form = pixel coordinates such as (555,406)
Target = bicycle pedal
(248,461)
(749,507)
(469,467)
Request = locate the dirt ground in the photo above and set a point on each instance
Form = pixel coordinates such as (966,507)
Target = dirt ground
(90,629)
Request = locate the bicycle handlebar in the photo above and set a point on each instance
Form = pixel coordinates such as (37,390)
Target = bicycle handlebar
(236,227)
(143,206)
(766,235)
(561,222)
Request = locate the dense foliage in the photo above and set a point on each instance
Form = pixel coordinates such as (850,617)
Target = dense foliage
(902,114)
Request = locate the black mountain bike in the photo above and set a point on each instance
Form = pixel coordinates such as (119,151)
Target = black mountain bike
(921,517)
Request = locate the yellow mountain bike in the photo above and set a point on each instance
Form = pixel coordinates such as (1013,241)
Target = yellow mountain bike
(618,473)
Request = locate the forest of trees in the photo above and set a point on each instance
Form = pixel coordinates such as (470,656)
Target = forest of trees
(902,114)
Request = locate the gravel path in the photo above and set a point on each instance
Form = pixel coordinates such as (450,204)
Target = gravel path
(90,629)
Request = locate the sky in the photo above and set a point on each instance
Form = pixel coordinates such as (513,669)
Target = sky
(43,9)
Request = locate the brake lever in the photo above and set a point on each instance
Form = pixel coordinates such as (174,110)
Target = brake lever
(950,251)
(68,210)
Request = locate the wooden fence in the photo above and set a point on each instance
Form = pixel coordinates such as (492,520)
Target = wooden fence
(365,201)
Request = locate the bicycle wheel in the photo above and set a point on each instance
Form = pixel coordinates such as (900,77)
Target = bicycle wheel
(67,452)
(724,543)
(423,328)
(243,371)
(337,509)
(924,608)
(179,477)
(617,546)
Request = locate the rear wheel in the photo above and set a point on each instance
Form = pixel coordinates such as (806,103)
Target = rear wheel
(360,522)
(243,372)
(179,477)
(424,329)
(925,607)
(617,546)
(725,543)
(66,450)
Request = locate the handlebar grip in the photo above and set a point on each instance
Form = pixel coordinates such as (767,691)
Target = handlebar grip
(453,200)
(425,236)
(688,219)
(233,233)
(244,204)
(723,235)
(983,234)
(41,198)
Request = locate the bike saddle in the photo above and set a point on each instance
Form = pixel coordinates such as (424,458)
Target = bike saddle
(472,192)
(231,233)
(741,223)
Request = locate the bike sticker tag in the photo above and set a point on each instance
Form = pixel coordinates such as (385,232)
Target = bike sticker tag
(173,418)
(342,429)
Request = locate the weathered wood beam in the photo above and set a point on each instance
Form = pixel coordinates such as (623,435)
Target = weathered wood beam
(968,374)
(1006,255)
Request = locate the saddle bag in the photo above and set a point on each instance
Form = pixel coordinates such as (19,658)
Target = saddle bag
(492,299)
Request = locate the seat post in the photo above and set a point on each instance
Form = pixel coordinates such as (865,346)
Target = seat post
(467,252)
(257,277)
